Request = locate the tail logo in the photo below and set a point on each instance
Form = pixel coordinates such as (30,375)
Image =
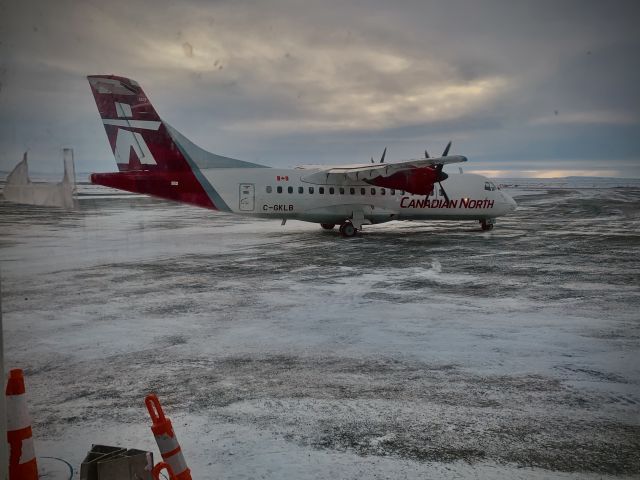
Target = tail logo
(127,139)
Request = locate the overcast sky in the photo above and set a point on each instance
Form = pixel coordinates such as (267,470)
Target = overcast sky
(522,88)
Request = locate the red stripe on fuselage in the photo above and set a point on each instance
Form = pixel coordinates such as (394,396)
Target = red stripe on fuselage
(158,184)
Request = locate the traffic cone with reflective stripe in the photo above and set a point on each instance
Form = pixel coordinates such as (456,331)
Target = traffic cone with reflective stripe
(22,457)
(162,466)
(167,442)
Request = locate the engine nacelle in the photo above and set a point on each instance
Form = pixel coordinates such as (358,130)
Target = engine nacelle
(418,181)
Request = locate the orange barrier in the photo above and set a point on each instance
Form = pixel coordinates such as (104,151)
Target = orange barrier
(22,457)
(167,442)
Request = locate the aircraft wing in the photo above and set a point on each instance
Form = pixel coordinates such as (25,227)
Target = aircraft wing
(367,171)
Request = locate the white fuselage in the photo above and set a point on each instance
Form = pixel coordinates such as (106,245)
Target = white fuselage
(284,194)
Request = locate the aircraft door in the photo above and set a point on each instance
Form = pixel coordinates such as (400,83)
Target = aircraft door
(247,197)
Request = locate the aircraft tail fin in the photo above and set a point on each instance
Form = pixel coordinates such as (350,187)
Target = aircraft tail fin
(137,136)
(153,158)
(140,139)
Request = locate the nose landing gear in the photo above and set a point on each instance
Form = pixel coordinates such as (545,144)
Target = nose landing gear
(486,224)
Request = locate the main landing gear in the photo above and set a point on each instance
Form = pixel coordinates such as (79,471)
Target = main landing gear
(348,230)
(486,224)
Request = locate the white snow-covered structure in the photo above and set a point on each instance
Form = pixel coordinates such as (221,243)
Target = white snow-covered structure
(20,189)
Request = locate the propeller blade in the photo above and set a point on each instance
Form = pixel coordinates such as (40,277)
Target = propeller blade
(383,155)
(446,197)
(446,150)
(426,154)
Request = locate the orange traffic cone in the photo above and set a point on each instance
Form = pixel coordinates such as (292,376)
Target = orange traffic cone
(162,466)
(167,442)
(22,457)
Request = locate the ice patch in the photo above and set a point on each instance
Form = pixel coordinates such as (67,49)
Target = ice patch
(421,350)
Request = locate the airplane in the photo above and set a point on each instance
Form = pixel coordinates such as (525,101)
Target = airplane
(153,158)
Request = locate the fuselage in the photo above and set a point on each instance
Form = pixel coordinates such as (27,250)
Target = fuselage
(285,194)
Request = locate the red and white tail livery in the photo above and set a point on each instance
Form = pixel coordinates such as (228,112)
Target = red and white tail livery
(155,159)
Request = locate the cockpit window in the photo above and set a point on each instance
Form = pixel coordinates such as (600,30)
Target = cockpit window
(487,186)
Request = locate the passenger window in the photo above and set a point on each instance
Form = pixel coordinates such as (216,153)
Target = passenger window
(392,192)
(300,189)
(269,189)
(341,190)
(310,189)
(352,191)
(321,190)
(290,189)
(279,189)
(401,192)
(363,191)
(332,190)
(373,191)
(382,191)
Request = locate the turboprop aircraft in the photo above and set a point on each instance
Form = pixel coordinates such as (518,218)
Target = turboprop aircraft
(155,159)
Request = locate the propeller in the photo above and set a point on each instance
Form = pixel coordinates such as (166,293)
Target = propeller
(446,149)
(441,176)
(382,157)
(444,154)
(444,194)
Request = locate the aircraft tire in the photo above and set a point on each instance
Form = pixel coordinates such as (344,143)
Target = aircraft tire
(486,226)
(348,230)
(327,226)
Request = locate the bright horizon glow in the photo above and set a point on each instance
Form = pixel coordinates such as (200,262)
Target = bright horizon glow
(542,174)
(547,173)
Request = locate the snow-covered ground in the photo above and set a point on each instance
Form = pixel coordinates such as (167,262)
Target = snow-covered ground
(416,350)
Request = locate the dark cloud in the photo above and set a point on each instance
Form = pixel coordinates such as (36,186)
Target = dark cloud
(516,85)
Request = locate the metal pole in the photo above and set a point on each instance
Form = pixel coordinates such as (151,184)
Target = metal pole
(4,454)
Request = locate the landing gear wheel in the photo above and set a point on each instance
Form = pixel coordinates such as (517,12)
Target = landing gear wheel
(486,226)
(327,226)
(348,230)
